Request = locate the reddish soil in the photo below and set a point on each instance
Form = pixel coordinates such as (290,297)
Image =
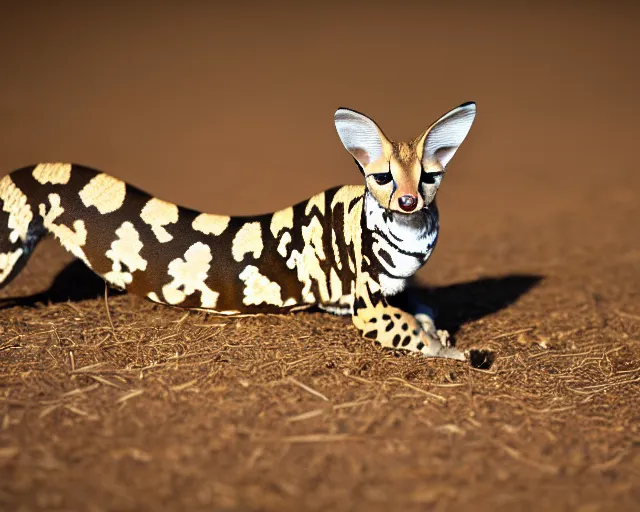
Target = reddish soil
(119,404)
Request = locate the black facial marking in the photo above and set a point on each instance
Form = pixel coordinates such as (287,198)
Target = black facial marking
(389,327)
(386,257)
(420,345)
(386,317)
(396,237)
(373,320)
(395,246)
(395,187)
(371,335)
(382,178)
(384,271)
(406,341)
(429,178)
(397,315)
(396,340)
(405,326)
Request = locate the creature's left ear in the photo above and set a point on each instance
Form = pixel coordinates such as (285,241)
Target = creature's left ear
(443,138)
(360,136)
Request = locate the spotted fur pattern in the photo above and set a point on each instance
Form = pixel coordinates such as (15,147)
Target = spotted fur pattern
(341,250)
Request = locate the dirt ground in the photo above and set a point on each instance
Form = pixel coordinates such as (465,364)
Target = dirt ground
(118,404)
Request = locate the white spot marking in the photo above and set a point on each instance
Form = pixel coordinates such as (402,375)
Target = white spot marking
(210,224)
(282,219)
(307,263)
(14,202)
(312,234)
(317,200)
(282,246)
(125,250)
(158,213)
(336,250)
(73,240)
(259,289)
(8,261)
(56,173)
(189,275)
(247,240)
(104,192)
(336,285)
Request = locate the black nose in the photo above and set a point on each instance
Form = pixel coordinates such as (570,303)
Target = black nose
(408,202)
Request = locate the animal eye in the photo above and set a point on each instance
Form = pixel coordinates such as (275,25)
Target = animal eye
(429,178)
(382,178)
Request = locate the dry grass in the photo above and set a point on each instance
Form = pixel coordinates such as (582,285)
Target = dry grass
(126,405)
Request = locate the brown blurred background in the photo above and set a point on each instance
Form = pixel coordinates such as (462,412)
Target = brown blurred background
(228,109)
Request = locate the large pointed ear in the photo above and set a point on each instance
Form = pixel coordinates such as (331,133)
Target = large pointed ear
(443,138)
(360,136)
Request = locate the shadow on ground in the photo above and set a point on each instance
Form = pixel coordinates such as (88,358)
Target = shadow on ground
(75,283)
(458,304)
(455,304)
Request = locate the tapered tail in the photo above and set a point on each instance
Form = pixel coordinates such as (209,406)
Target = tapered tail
(20,230)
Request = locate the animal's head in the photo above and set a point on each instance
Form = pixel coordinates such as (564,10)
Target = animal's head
(404,176)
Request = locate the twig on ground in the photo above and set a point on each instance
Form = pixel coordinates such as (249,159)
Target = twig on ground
(357,379)
(308,389)
(319,438)
(420,390)
(512,333)
(614,461)
(79,391)
(106,305)
(516,455)
(87,369)
(306,415)
(131,394)
(102,380)
(624,314)
(185,385)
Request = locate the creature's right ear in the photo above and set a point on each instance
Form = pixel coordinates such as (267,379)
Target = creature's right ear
(443,138)
(360,136)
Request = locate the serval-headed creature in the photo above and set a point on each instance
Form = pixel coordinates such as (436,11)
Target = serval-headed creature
(347,250)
